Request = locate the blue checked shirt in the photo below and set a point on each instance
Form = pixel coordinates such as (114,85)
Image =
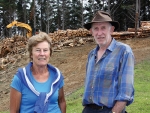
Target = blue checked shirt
(111,78)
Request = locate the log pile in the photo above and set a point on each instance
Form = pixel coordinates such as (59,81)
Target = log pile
(11,50)
(143,31)
(14,45)
(68,34)
(61,38)
(123,35)
(145,26)
(17,44)
(70,38)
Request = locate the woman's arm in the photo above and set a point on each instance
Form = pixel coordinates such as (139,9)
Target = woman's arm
(62,101)
(15,98)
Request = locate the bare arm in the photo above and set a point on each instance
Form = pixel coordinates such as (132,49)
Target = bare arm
(15,98)
(61,101)
(119,106)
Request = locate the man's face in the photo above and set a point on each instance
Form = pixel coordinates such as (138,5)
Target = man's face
(102,33)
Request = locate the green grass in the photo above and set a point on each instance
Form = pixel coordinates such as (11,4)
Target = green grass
(74,101)
(141,102)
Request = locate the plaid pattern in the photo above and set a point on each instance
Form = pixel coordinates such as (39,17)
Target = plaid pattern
(111,78)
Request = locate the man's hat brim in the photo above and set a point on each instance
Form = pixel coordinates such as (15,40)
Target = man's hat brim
(101,16)
(113,23)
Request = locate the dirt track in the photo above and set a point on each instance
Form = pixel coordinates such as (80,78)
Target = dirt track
(71,62)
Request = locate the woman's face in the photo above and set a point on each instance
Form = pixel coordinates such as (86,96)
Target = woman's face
(41,54)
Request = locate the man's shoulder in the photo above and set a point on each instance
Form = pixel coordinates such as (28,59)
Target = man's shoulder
(122,45)
(92,51)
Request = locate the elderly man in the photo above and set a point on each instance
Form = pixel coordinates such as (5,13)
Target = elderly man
(109,71)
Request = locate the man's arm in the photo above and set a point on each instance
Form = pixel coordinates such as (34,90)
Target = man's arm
(119,106)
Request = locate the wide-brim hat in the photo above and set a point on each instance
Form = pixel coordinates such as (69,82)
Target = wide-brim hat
(102,16)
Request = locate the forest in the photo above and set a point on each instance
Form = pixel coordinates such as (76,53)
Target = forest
(53,15)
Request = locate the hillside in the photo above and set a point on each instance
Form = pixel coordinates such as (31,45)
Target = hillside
(71,61)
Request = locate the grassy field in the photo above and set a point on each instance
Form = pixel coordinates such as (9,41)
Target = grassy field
(141,102)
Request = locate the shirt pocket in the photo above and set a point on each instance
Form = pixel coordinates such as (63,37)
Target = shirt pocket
(108,77)
(109,72)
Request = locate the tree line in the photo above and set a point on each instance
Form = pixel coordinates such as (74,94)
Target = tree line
(51,15)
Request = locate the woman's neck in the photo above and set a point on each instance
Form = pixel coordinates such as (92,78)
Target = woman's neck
(41,74)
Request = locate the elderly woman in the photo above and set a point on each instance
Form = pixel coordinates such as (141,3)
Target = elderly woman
(38,87)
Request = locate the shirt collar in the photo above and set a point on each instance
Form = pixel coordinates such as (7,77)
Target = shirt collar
(112,45)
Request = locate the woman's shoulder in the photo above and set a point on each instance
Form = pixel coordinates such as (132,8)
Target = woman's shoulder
(16,83)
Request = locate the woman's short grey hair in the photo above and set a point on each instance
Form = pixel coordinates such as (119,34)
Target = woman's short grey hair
(36,39)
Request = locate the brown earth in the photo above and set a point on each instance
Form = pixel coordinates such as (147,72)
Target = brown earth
(71,61)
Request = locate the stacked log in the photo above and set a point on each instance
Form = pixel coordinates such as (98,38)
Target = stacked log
(11,50)
(2,63)
(68,37)
(145,25)
(9,59)
(143,31)
(63,35)
(133,29)
(14,45)
(123,35)
(60,38)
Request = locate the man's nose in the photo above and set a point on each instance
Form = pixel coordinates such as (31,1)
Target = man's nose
(99,32)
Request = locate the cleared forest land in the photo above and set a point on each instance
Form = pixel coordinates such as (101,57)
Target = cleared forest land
(71,61)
